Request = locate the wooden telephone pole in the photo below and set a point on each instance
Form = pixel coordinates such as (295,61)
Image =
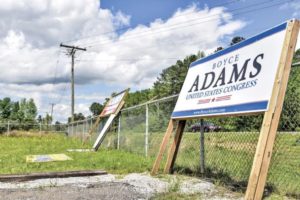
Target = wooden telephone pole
(52,105)
(72,51)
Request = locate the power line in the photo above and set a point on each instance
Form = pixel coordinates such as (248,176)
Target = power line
(127,59)
(151,32)
(142,35)
(127,28)
(64,94)
(278,3)
(55,68)
(156,46)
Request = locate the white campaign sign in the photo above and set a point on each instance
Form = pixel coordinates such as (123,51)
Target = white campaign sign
(238,79)
(113,104)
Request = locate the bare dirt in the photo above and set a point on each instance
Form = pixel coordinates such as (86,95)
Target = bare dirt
(132,186)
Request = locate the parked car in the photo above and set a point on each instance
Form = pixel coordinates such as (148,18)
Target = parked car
(207,126)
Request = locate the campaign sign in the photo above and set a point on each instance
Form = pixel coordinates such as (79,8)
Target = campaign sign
(236,80)
(113,104)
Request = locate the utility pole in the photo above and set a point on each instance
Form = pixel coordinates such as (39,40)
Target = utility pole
(52,105)
(72,51)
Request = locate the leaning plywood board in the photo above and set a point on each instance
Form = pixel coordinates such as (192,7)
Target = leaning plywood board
(103,132)
(111,109)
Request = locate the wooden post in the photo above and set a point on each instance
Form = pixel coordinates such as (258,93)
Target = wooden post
(267,136)
(175,146)
(163,147)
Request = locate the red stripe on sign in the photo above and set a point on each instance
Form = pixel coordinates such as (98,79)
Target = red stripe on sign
(201,101)
(224,98)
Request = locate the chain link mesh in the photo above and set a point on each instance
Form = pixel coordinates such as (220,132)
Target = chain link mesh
(229,142)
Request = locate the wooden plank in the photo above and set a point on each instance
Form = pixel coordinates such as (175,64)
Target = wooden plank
(103,132)
(174,147)
(162,147)
(34,176)
(99,119)
(101,114)
(90,133)
(266,141)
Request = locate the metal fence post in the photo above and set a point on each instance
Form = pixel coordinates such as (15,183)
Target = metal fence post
(68,129)
(202,157)
(119,131)
(91,124)
(82,131)
(72,129)
(86,128)
(146,131)
(77,130)
(40,126)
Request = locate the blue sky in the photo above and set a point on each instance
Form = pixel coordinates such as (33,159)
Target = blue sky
(159,32)
(145,11)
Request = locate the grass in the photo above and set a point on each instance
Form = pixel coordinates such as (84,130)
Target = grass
(228,157)
(13,151)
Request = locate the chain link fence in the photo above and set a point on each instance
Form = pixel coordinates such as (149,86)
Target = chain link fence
(228,143)
(13,127)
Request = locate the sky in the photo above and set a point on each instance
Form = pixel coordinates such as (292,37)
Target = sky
(128,43)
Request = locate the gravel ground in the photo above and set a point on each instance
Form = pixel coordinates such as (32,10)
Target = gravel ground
(132,186)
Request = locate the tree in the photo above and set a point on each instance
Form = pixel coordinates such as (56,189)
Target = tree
(96,108)
(31,110)
(48,119)
(15,110)
(219,49)
(236,40)
(40,119)
(290,116)
(171,79)
(27,111)
(77,117)
(5,108)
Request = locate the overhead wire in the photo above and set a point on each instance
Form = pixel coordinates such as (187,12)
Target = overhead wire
(155,46)
(128,28)
(63,94)
(272,4)
(188,24)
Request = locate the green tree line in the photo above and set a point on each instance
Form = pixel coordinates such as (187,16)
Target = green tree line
(171,79)
(23,111)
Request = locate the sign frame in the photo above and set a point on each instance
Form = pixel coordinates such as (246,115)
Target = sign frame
(110,116)
(125,92)
(215,85)
(262,158)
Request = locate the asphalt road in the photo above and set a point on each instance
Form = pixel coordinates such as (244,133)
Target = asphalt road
(111,191)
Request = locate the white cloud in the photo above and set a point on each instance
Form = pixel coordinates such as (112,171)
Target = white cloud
(30,33)
(295,6)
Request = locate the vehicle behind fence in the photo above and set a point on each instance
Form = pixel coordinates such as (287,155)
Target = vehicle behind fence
(229,142)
